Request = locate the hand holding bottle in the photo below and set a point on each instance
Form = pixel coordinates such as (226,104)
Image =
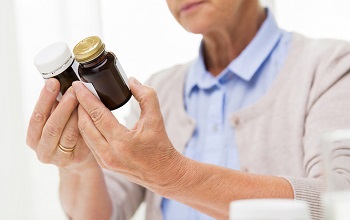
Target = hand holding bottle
(53,130)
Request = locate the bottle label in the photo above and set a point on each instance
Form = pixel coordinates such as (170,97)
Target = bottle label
(92,89)
(121,70)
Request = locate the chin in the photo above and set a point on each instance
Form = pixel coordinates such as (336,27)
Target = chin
(194,31)
(196,27)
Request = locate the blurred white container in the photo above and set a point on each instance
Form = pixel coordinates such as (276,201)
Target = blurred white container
(269,209)
(336,146)
(337,205)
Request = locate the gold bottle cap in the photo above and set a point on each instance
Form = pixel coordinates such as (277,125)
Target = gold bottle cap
(88,49)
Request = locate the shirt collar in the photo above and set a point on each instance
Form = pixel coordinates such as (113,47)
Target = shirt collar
(197,73)
(246,64)
(258,50)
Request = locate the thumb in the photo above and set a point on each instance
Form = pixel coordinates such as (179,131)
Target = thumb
(148,100)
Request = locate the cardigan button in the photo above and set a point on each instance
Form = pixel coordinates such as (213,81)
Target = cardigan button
(236,121)
(190,122)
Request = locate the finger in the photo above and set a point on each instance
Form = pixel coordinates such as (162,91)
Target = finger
(92,136)
(54,126)
(148,101)
(71,159)
(88,149)
(102,117)
(54,106)
(70,134)
(42,111)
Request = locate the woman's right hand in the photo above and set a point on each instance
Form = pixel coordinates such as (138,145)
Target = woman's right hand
(55,123)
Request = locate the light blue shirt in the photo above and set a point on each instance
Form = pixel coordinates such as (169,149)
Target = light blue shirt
(211,100)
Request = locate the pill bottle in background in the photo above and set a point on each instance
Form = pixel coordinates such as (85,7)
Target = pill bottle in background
(269,209)
(103,70)
(56,61)
(336,153)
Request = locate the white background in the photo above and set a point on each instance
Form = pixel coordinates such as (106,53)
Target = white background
(143,35)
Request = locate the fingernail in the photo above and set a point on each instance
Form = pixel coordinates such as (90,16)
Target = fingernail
(77,85)
(135,81)
(50,85)
(71,92)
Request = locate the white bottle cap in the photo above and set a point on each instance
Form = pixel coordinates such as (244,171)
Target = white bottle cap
(269,209)
(53,60)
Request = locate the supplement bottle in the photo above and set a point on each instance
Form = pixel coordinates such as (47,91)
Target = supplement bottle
(56,61)
(103,70)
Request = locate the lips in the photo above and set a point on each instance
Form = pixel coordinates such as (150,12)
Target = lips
(190,5)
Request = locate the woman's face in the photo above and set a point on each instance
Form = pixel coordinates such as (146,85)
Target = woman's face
(204,16)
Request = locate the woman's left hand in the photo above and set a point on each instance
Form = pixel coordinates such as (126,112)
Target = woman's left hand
(144,154)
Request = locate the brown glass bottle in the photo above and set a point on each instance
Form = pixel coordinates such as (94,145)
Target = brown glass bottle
(102,69)
(66,78)
(106,79)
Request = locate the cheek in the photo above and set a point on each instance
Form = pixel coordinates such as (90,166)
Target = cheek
(227,8)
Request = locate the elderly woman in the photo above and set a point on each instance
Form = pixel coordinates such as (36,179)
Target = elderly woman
(241,121)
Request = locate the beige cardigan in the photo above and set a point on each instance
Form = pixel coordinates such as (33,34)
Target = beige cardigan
(279,135)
